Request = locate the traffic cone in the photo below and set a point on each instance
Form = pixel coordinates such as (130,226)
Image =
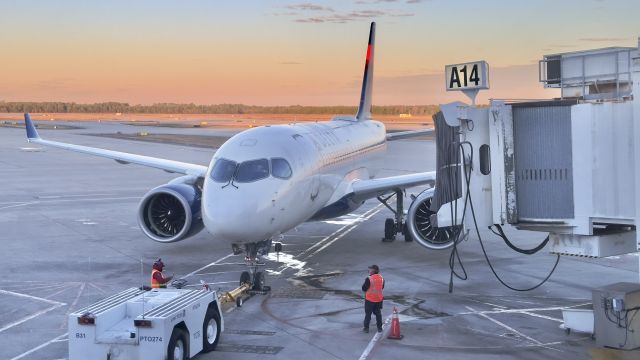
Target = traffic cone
(395,326)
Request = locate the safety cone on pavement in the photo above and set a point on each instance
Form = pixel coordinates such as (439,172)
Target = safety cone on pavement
(395,326)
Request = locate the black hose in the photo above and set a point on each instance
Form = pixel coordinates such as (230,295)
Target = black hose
(454,182)
(501,234)
(467,178)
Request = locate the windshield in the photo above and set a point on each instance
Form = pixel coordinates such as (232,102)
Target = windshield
(280,168)
(223,170)
(252,170)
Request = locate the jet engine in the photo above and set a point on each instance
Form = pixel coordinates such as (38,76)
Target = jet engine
(422,229)
(171,212)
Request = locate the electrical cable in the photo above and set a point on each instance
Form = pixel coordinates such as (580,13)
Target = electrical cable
(452,259)
(532,251)
(449,186)
(457,229)
(467,178)
(627,323)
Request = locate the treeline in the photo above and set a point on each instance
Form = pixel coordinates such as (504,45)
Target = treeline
(169,108)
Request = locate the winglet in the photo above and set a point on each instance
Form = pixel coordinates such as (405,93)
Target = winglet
(32,133)
(364,110)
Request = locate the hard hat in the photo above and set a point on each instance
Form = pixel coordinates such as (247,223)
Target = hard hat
(158,265)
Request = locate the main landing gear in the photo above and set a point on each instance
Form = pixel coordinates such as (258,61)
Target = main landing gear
(396,225)
(254,278)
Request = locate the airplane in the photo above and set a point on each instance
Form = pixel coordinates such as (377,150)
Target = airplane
(265,181)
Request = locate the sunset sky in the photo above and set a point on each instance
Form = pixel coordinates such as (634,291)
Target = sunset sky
(289,52)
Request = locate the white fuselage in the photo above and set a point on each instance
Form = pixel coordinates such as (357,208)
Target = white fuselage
(324,159)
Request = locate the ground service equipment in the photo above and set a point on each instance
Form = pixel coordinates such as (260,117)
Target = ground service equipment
(139,324)
(616,319)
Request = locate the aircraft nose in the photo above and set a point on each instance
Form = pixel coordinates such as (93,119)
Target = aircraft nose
(238,214)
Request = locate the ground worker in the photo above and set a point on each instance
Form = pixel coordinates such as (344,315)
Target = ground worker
(373,285)
(158,280)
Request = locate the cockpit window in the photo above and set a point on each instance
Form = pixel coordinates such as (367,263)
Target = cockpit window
(223,170)
(280,168)
(252,170)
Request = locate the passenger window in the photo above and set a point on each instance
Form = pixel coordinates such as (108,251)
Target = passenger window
(223,170)
(252,170)
(280,168)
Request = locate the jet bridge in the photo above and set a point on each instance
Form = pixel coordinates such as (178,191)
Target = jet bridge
(568,166)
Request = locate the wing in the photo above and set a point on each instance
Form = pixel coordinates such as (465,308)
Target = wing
(121,157)
(366,189)
(407,134)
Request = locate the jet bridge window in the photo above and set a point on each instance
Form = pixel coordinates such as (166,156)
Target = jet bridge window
(223,170)
(252,170)
(485,160)
(280,168)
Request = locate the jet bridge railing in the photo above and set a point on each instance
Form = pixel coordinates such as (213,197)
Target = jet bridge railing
(601,74)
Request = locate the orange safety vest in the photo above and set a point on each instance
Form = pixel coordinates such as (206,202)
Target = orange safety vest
(155,283)
(374,293)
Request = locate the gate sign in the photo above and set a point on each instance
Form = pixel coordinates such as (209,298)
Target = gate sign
(468,76)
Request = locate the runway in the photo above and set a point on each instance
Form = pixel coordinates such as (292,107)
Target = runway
(69,238)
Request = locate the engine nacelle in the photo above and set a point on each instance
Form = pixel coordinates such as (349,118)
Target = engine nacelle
(171,212)
(422,229)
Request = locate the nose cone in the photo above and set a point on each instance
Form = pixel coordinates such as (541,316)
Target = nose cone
(244,214)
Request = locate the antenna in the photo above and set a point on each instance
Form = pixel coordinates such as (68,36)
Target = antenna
(142,277)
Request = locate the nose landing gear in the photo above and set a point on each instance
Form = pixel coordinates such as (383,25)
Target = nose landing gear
(254,278)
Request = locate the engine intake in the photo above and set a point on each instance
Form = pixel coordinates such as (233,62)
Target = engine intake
(171,212)
(422,229)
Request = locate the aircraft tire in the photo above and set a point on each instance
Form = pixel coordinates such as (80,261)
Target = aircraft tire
(389,230)
(245,278)
(258,281)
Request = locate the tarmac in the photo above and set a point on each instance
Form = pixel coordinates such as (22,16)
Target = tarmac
(69,238)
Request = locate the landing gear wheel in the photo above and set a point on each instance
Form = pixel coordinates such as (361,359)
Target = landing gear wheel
(239,301)
(211,330)
(177,349)
(258,281)
(236,249)
(406,234)
(389,230)
(245,278)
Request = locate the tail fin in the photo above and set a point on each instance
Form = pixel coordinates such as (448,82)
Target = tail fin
(32,133)
(364,110)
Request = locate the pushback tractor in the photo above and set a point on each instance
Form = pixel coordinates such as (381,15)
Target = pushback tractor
(140,324)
